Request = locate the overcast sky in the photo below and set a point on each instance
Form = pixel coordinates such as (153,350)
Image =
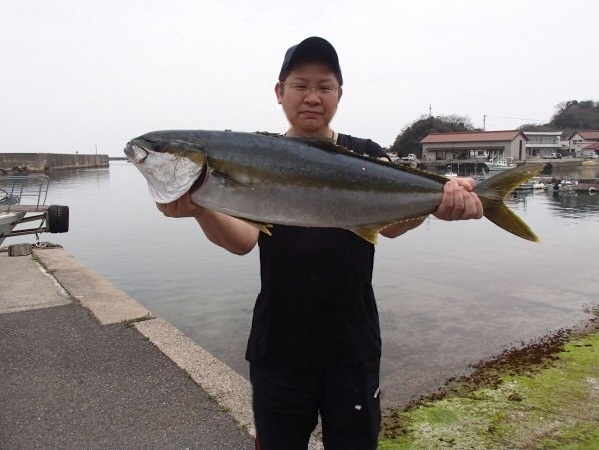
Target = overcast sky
(79,73)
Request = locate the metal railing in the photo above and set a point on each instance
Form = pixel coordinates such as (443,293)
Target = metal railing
(23,190)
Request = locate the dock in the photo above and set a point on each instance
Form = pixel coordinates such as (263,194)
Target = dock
(84,365)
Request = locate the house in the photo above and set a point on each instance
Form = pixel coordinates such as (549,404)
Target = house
(543,143)
(590,150)
(484,145)
(579,140)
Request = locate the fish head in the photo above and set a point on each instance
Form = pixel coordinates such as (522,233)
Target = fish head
(169,167)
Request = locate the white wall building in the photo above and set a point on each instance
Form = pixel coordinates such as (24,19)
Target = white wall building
(581,139)
(542,143)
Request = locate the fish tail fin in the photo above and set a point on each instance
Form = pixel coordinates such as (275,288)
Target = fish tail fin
(493,191)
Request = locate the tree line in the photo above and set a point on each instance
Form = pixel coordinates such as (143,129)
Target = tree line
(569,116)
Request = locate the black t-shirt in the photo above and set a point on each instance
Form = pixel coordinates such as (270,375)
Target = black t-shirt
(316,306)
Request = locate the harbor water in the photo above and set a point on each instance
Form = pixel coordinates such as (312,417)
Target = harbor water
(449,293)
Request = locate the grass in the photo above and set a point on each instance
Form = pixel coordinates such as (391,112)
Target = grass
(129,323)
(544,397)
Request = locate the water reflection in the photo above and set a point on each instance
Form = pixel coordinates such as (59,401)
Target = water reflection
(82,178)
(567,204)
(574,205)
(589,171)
(574,171)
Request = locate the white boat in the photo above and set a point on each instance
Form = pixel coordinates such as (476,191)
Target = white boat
(531,186)
(449,173)
(562,185)
(22,200)
(500,164)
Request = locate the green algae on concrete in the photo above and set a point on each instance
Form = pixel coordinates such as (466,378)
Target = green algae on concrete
(553,403)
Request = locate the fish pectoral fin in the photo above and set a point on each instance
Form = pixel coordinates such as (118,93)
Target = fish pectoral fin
(370,234)
(227,181)
(263,227)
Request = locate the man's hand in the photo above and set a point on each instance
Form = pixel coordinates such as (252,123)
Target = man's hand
(183,207)
(459,202)
(227,232)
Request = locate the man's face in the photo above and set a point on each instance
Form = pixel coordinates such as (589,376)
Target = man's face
(308,110)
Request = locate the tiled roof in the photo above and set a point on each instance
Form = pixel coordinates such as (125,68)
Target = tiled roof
(472,136)
(593,146)
(589,135)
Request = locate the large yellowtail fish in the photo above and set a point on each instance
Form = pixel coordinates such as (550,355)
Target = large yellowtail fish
(266,179)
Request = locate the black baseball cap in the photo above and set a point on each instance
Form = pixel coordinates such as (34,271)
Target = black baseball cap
(312,49)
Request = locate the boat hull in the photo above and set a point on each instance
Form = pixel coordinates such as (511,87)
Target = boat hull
(8,221)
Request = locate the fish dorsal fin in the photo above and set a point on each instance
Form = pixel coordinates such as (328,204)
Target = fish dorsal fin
(318,142)
(328,145)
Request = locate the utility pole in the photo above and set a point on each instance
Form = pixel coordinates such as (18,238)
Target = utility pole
(430,109)
(484,122)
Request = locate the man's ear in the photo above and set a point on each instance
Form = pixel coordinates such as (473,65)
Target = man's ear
(340,93)
(279,92)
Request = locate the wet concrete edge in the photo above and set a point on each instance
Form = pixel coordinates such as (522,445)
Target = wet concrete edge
(111,305)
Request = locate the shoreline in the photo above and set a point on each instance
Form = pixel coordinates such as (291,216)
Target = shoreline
(525,397)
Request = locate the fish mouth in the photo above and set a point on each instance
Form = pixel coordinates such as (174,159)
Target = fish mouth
(170,174)
(136,153)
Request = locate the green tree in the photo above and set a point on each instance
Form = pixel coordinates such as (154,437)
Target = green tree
(536,127)
(570,116)
(408,141)
(575,115)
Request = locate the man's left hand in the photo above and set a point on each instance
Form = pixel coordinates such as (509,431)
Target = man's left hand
(459,202)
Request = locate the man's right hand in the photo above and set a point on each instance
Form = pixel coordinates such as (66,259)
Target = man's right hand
(228,232)
(182,207)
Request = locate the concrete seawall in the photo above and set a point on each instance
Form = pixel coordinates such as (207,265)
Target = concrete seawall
(84,365)
(45,162)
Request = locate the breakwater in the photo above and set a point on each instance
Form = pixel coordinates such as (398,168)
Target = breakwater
(46,162)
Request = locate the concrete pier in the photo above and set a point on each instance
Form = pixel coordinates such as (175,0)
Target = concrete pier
(46,162)
(84,365)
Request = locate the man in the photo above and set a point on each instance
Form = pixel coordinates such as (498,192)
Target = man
(314,347)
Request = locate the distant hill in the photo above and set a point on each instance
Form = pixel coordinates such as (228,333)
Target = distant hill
(569,117)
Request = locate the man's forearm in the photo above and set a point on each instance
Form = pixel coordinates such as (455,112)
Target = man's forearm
(228,232)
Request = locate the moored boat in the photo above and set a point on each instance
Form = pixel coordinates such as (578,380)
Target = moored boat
(500,164)
(22,200)
(590,185)
(562,185)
